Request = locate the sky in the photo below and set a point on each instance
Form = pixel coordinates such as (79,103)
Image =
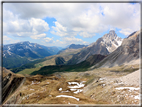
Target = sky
(62,24)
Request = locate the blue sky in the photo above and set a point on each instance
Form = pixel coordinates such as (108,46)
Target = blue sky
(61,24)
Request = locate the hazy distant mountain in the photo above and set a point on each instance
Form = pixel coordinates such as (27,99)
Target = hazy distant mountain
(52,50)
(105,45)
(72,47)
(128,52)
(76,46)
(15,55)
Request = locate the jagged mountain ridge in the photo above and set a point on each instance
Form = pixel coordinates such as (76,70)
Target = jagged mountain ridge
(111,41)
(127,53)
(104,45)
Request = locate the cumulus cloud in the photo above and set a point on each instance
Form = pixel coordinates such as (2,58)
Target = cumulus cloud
(38,36)
(49,40)
(86,35)
(126,31)
(59,30)
(71,40)
(7,40)
(122,16)
(64,41)
(14,26)
(85,19)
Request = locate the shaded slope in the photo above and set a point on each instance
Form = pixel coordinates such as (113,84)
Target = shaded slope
(10,83)
(59,60)
(83,66)
(13,61)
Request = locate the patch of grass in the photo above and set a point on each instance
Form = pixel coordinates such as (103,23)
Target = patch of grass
(28,71)
(38,65)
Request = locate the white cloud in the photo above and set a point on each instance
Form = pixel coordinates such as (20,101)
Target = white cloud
(72,19)
(38,36)
(63,42)
(71,40)
(14,26)
(86,35)
(8,40)
(59,30)
(122,15)
(126,31)
(49,40)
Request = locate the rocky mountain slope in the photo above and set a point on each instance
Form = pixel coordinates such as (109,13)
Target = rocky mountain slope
(104,45)
(15,55)
(10,83)
(128,52)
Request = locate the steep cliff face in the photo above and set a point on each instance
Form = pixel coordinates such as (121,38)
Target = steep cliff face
(10,82)
(105,45)
(126,53)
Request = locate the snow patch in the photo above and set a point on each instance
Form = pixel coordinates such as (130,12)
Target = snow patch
(68,97)
(72,89)
(130,88)
(32,89)
(9,48)
(60,89)
(137,97)
(34,83)
(119,42)
(8,52)
(78,91)
(78,85)
(65,91)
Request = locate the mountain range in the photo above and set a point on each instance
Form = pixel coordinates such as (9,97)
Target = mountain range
(127,52)
(15,55)
(104,46)
(107,69)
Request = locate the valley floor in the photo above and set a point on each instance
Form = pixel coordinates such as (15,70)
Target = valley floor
(98,86)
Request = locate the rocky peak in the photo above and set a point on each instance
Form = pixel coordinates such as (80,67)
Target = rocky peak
(111,41)
(111,35)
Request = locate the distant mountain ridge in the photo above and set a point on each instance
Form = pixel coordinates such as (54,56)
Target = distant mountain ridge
(76,46)
(104,45)
(17,54)
(72,46)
